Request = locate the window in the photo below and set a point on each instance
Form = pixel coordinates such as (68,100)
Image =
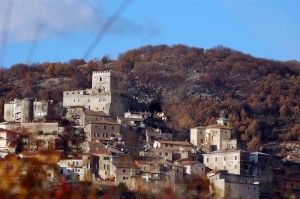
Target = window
(166,153)
(96,126)
(106,166)
(124,170)
(216,159)
(201,141)
(224,158)
(100,78)
(106,158)
(207,160)
(44,107)
(104,127)
(235,157)
(212,137)
(234,166)
(159,153)
(112,127)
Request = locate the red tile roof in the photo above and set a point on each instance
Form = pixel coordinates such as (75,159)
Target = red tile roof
(125,165)
(105,122)
(95,113)
(175,142)
(143,162)
(217,126)
(189,163)
(99,152)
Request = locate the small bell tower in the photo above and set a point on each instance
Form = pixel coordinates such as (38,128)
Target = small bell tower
(223,119)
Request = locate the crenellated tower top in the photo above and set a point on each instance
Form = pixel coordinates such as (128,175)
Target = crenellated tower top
(102,80)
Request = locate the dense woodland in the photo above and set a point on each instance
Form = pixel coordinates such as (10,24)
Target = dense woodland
(262,97)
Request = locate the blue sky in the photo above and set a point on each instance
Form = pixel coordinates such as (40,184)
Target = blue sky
(34,31)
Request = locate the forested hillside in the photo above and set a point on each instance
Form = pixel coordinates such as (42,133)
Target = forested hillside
(262,97)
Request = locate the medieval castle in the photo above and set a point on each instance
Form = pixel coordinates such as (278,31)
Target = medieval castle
(103,96)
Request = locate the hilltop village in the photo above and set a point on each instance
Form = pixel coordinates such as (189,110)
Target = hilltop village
(101,141)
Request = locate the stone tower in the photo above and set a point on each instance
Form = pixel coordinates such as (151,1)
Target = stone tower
(27,109)
(104,81)
(223,119)
(103,96)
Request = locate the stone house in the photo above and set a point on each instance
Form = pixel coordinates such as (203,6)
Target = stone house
(262,169)
(224,185)
(81,116)
(28,110)
(233,161)
(102,163)
(193,169)
(152,134)
(234,144)
(209,138)
(6,138)
(125,172)
(170,145)
(173,150)
(76,168)
(101,158)
(102,129)
(164,153)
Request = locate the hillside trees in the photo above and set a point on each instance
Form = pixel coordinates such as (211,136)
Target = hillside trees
(262,96)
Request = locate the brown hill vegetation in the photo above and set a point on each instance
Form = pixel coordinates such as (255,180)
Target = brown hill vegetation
(261,96)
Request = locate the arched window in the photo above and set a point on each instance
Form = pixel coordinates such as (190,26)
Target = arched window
(100,78)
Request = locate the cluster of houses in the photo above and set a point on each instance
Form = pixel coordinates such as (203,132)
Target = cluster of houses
(143,150)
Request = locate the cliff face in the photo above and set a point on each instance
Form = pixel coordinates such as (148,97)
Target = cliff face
(261,96)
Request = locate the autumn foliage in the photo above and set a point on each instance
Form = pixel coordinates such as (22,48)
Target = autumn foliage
(262,97)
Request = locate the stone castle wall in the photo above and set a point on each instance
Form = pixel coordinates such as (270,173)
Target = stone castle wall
(102,97)
(44,127)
